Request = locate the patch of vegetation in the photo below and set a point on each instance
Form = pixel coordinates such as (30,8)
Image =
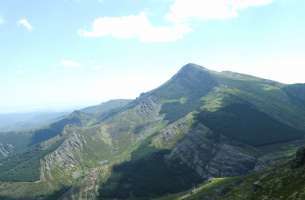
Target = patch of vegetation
(220,97)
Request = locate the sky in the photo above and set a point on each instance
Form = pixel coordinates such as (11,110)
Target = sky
(60,54)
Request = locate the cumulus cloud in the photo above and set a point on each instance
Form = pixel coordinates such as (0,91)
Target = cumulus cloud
(135,26)
(179,17)
(70,64)
(24,23)
(187,10)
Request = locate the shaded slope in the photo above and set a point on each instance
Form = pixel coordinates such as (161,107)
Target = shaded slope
(148,177)
(243,122)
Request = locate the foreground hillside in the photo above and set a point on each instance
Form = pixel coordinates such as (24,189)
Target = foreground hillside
(283,182)
(200,125)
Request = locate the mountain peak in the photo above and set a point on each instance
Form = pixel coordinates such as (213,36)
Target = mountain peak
(192,72)
(191,80)
(191,67)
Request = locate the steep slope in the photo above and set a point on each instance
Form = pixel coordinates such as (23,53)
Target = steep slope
(199,125)
(244,123)
(284,182)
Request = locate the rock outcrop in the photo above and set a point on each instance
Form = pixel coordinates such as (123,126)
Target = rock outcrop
(66,157)
(6,150)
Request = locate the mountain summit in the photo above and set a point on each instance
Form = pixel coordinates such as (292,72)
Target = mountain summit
(191,67)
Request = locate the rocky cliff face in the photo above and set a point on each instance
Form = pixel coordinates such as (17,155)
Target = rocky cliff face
(66,157)
(213,155)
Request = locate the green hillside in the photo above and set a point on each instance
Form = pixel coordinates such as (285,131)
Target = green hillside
(283,182)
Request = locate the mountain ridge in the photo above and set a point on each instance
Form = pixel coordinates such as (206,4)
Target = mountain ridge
(100,150)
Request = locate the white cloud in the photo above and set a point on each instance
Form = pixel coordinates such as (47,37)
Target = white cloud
(135,26)
(180,15)
(70,64)
(23,22)
(186,10)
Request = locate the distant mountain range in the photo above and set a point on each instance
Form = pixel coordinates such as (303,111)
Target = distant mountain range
(194,137)
(27,121)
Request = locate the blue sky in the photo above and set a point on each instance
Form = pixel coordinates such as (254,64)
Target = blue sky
(67,53)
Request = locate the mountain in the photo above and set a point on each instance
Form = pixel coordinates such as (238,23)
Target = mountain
(200,125)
